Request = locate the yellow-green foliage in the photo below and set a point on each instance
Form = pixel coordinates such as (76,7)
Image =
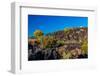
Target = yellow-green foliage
(84,47)
(48,41)
(66,55)
(66,30)
(38,33)
(60,42)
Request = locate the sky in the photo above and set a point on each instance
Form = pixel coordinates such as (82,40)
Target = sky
(48,23)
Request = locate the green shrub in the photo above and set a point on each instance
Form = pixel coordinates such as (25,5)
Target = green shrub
(84,47)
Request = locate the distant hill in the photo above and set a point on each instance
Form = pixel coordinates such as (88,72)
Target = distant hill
(70,34)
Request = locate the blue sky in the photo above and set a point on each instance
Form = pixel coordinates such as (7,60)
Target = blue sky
(47,23)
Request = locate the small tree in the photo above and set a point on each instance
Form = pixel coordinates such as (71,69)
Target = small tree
(66,30)
(38,33)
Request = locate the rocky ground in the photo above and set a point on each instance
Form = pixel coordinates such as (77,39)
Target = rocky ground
(64,45)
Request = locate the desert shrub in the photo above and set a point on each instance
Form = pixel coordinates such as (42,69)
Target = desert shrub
(39,36)
(84,47)
(38,33)
(66,30)
(68,55)
(60,42)
(49,41)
